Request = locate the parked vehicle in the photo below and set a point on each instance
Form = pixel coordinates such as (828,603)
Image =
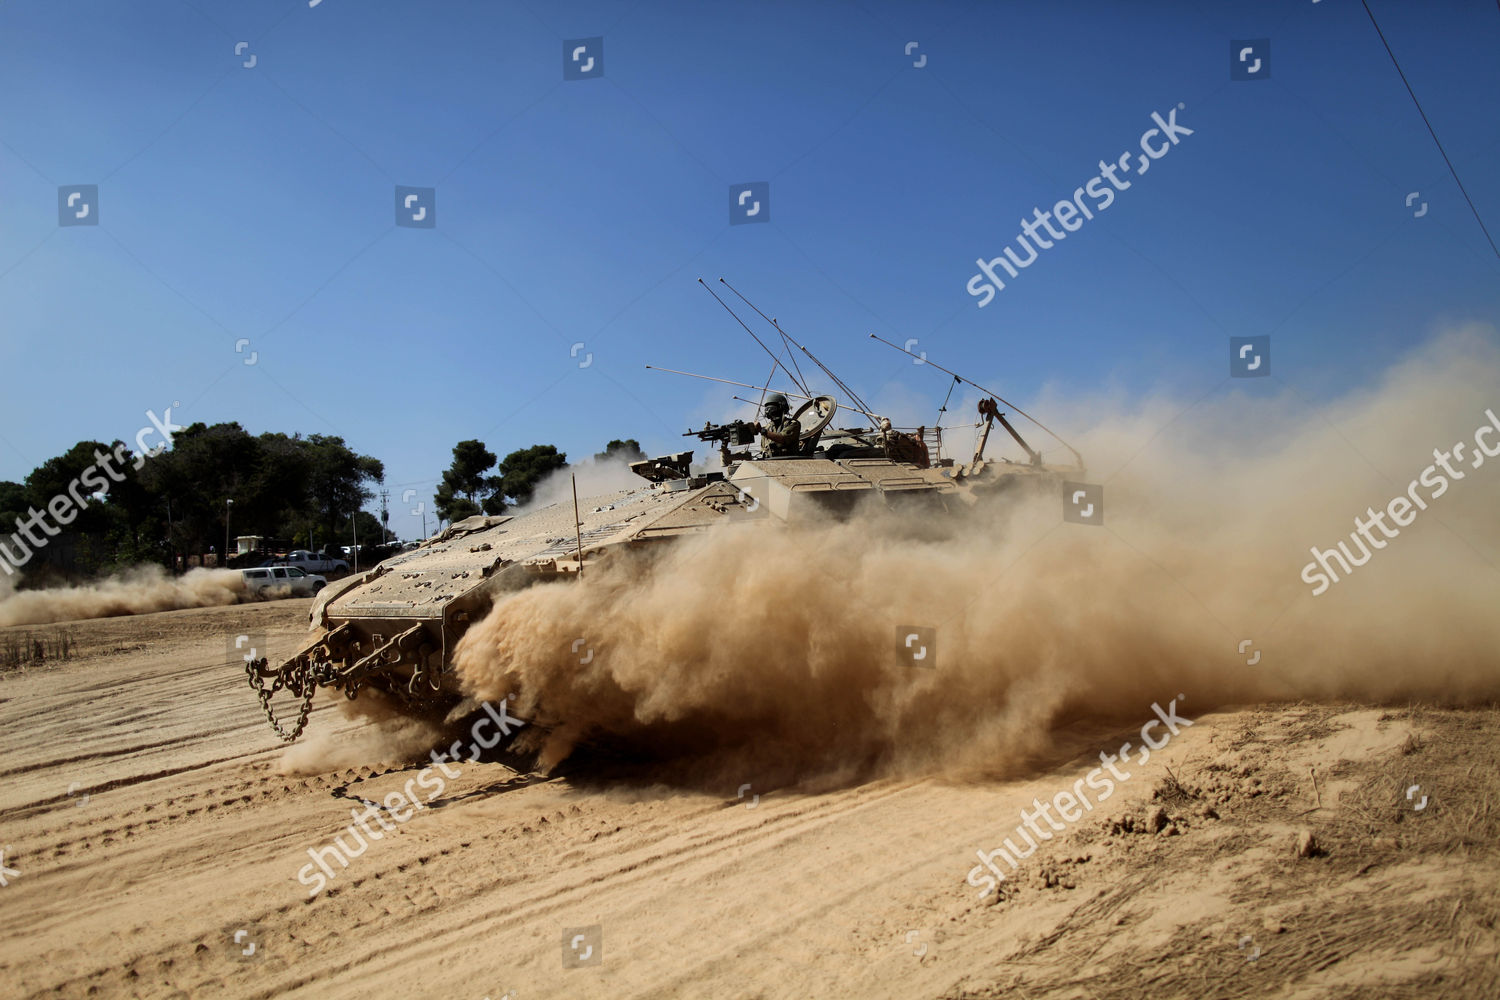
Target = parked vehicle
(312,562)
(281,581)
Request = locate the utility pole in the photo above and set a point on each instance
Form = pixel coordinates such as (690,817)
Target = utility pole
(171,541)
(385,516)
(577,528)
(354,549)
(228,510)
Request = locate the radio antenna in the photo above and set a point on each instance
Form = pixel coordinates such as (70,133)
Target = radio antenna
(726,381)
(758,388)
(759,407)
(785,340)
(863,406)
(987,392)
(776,360)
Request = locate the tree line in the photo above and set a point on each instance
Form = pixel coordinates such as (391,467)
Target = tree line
(215,481)
(168,506)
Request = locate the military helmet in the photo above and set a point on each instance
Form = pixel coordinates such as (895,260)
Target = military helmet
(777,399)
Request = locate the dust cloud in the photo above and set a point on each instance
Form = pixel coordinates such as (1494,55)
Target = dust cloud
(595,476)
(383,735)
(138,590)
(783,648)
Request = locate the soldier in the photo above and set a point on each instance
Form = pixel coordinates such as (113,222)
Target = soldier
(781,434)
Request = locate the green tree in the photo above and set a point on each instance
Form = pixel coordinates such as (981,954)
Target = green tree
(628,450)
(337,479)
(14,501)
(278,490)
(521,470)
(206,467)
(13,504)
(52,478)
(139,521)
(465,489)
(100,529)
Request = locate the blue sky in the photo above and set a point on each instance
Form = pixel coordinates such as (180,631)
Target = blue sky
(258,204)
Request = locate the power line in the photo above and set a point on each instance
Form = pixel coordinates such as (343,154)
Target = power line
(1430,129)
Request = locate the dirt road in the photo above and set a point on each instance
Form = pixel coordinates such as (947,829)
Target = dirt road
(152,847)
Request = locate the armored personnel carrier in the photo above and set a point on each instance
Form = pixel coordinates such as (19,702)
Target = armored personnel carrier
(394,628)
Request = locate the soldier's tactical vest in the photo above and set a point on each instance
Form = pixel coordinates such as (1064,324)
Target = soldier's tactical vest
(784,426)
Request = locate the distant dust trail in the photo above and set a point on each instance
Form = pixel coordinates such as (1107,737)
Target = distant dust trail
(781,646)
(136,591)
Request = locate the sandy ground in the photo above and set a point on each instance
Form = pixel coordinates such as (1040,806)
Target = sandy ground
(152,845)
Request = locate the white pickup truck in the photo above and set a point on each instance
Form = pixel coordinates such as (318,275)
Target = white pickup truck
(281,581)
(312,562)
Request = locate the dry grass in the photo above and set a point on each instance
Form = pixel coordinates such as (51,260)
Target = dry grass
(20,650)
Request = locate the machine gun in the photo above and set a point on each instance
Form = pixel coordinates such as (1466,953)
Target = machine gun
(735,433)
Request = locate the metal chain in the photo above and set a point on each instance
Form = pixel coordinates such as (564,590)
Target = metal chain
(303,681)
(299,684)
(419,678)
